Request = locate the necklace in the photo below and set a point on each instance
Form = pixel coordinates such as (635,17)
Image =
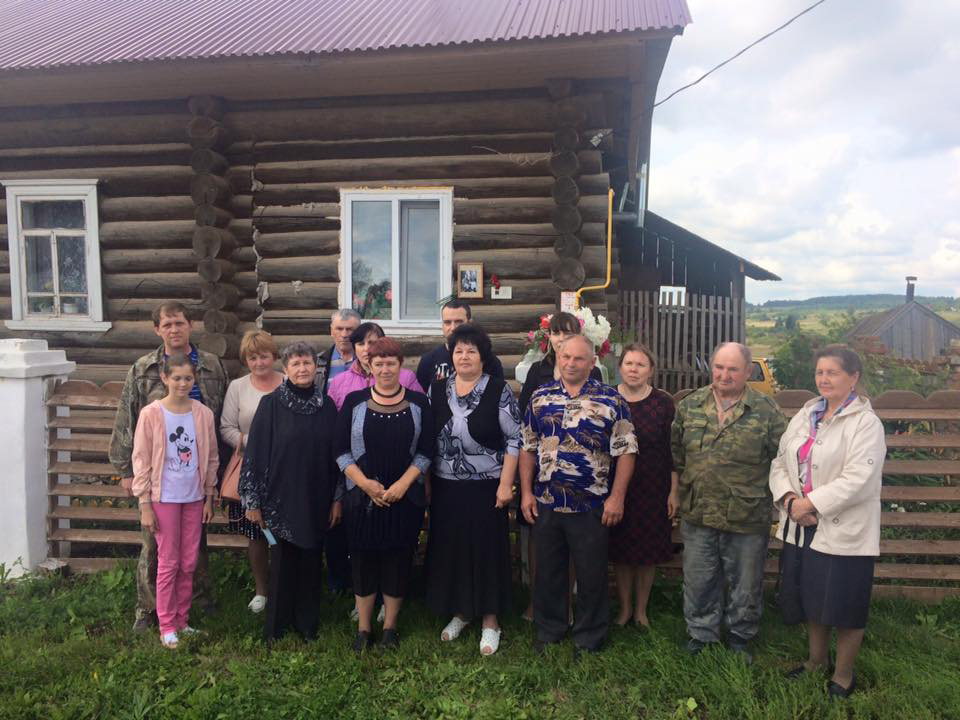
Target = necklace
(642,395)
(391,395)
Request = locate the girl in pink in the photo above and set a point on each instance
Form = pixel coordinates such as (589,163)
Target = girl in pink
(174,477)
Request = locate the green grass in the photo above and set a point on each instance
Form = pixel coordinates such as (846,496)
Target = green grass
(66,652)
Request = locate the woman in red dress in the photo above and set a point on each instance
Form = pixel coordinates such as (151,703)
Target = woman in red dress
(643,539)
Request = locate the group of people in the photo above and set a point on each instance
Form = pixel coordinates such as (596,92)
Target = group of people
(346,450)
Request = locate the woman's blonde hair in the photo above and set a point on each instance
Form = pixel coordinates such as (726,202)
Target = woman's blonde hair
(256,342)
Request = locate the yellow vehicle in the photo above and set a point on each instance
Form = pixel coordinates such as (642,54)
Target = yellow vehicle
(761,377)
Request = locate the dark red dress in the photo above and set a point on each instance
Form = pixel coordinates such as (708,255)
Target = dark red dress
(643,536)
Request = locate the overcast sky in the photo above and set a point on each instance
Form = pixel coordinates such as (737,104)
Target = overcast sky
(828,154)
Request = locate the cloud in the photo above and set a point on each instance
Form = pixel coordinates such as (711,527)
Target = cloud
(829,154)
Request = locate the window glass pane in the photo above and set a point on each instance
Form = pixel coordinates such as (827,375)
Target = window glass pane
(76,305)
(40,305)
(50,214)
(372,290)
(72,264)
(39,263)
(419,260)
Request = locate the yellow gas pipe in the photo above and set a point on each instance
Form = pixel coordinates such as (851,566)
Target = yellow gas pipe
(609,250)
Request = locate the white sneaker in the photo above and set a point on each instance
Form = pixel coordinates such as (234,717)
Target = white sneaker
(258,603)
(187,630)
(489,641)
(170,640)
(453,629)
(381,615)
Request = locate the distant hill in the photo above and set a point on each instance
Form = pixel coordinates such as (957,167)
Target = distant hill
(856,302)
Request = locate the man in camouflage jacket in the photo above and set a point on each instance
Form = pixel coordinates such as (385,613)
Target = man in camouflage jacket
(141,387)
(723,439)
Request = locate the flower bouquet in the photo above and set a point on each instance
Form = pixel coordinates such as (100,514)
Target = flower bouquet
(596,328)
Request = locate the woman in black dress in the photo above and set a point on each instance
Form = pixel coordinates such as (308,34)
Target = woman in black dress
(287,486)
(562,325)
(384,446)
(642,540)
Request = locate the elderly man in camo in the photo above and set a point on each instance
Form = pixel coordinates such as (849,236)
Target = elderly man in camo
(142,386)
(723,439)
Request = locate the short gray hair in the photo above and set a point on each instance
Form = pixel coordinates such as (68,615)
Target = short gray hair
(299,348)
(584,338)
(346,314)
(744,352)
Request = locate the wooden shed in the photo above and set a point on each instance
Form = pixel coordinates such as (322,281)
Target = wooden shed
(911,331)
(272,161)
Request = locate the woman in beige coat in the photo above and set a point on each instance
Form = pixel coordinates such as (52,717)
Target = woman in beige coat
(827,478)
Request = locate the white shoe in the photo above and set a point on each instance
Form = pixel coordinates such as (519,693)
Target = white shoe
(170,640)
(489,641)
(381,615)
(354,614)
(453,629)
(258,603)
(187,630)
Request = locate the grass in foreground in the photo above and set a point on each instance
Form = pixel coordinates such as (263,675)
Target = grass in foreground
(66,652)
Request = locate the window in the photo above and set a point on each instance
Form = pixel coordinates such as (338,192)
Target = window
(54,255)
(396,258)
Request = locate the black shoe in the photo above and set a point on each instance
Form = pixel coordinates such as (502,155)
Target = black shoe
(838,691)
(741,647)
(800,670)
(361,642)
(695,647)
(390,639)
(540,646)
(144,621)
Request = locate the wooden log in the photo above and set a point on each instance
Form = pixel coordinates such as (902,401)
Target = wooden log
(114,128)
(219,296)
(510,318)
(212,216)
(565,191)
(123,209)
(246,282)
(206,106)
(142,308)
(212,242)
(564,164)
(526,292)
(207,189)
(496,237)
(159,233)
(119,181)
(286,269)
(147,261)
(302,321)
(567,219)
(248,310)
(315,242)
(295,223)
(215,270)
(566,138)
(15,158)
(204,132)
(526,210)
(568,246)
(503,344)
(531,263)
(568,273)
(123,334)
(398,119)
(559,88)
(220,345)
(219,322)
(292,296)
(488,165)
(572,111)
(205,160)
(242,229)
(245,257)
(184,285)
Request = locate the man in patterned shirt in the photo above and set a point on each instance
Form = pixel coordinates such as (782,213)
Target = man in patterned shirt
(574,427)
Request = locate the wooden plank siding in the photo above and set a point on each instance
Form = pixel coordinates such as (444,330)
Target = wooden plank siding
(88,506)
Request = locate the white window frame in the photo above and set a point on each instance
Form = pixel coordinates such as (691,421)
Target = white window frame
(397,195)
(27,190)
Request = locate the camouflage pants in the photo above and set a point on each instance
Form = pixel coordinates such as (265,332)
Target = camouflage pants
(147,577)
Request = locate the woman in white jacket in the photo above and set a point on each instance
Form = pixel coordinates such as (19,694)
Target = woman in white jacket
(827,477)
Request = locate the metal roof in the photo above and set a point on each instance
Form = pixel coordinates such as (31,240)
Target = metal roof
(55,33)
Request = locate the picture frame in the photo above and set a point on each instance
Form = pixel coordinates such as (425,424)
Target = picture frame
(470,280)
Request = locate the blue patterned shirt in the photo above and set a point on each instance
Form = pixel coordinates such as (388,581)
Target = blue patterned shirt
(574,439)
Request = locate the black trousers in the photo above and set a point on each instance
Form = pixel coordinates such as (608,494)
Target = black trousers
(583,537)
(294,590)
(339,572)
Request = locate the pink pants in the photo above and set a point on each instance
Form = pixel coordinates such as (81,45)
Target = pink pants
(178,544)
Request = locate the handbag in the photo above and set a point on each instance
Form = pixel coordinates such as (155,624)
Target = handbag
(230,487)
(788,589)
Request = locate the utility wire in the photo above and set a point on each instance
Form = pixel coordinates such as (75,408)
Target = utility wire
(736,55)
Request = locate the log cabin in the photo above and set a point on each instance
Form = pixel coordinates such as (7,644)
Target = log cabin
(266,162)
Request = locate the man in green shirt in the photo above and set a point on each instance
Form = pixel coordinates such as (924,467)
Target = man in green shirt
(723,439)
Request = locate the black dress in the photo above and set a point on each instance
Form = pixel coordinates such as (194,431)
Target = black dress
(290,475)
(384,441)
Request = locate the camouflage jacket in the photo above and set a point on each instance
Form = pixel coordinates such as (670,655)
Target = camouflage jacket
(724,472)
(143,385)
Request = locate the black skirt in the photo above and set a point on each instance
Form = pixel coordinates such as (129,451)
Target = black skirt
(468,551)
(239,525)
(835,589)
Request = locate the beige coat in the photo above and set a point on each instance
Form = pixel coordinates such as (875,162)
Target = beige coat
(847,468)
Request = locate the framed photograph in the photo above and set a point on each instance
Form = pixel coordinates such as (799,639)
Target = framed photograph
(470,280)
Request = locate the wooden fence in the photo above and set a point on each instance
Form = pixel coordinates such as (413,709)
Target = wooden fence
(681,329)
(920,549)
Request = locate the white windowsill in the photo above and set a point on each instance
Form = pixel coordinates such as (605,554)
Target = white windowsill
(396,328)
(59,325)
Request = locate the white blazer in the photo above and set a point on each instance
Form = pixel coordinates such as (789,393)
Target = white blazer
(847,470)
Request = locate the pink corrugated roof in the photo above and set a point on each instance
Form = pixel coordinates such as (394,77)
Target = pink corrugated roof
(52,33)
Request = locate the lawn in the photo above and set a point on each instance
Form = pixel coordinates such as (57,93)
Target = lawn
(66,652)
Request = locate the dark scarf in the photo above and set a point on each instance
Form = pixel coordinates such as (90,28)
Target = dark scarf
(302,401)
